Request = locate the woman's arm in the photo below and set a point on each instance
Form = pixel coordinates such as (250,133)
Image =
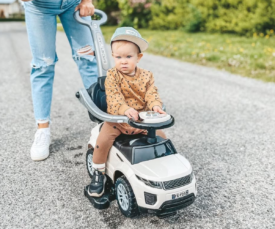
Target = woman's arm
(86,8)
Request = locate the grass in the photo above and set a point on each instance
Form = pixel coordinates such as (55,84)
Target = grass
(247,56)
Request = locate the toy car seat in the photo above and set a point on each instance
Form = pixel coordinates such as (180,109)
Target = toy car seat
(97,94)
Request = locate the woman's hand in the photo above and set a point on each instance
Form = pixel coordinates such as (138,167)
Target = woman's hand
(132,113)
(158,109)
(86,8)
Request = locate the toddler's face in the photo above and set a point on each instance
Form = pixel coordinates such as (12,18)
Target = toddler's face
(126,56)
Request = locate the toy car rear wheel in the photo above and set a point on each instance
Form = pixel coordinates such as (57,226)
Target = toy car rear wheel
(126,199)
(89,161)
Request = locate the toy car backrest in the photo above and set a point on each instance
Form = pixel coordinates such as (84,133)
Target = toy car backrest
(97,94)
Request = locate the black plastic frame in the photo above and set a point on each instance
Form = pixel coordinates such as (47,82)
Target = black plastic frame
(150,146)
(170,207)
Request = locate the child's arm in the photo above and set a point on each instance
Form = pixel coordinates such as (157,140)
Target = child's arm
(152,97)
(115,99)
(132,113)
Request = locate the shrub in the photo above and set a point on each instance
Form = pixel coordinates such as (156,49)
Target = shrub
(240,16)
(135,13)
(167,14)
(110,7)
(231,16)
(193,21)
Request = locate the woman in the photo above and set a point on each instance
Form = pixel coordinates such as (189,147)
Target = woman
(41,27)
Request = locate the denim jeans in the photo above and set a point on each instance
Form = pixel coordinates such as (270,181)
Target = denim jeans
(41,27)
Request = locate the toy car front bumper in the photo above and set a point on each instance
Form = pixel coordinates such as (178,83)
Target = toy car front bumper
(161,196)
(170,207)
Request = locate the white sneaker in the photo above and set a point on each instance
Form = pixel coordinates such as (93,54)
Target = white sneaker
(40,147)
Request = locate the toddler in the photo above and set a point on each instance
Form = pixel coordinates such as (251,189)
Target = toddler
(129,90)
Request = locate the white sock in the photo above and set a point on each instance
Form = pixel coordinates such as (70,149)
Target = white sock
(99,167)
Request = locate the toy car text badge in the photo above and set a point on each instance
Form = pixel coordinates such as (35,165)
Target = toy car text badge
(102,50)
(180,194)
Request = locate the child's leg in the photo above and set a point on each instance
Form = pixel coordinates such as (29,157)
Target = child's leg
(104,142)
(161,134)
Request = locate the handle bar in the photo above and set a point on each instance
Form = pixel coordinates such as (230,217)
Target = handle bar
(103,62)
(103,18)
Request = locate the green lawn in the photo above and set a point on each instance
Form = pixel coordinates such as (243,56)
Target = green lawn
(248,56)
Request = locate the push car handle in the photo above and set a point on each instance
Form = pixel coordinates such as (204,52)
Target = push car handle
(103,62)
(86,100)
(102,20)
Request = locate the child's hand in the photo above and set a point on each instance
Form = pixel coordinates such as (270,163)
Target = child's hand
(132,113)
(158,109)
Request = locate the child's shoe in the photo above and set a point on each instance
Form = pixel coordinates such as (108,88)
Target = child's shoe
(97,186)
(40,147)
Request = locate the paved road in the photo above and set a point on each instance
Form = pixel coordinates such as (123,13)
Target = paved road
(225,125)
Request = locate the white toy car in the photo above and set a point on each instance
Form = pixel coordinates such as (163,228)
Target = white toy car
(145,173)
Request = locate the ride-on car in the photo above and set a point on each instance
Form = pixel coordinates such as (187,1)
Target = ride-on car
(145,173)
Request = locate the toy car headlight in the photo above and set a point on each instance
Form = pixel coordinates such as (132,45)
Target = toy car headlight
(153,184)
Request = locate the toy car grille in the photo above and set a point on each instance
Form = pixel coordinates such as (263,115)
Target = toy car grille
(177,183)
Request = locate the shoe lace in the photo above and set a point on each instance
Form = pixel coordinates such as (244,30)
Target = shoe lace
(41,138)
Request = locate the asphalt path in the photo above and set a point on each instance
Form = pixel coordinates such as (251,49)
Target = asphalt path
(225,126)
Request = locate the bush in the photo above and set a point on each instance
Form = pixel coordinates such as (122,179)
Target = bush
(193,19)
(167,14)
(110,7)
(11,19)
(135,13)
(231,16)
(243,17)
(240,16)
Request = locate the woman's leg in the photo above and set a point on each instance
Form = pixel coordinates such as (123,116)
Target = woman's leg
(41,28)
(81,42)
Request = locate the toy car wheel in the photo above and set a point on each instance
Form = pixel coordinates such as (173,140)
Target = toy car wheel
(89,161)
(126,199)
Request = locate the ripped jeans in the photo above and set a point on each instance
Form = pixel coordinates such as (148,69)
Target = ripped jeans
(41,27)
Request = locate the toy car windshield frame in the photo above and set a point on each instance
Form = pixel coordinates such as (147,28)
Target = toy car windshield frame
(146,153)
(141,150)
